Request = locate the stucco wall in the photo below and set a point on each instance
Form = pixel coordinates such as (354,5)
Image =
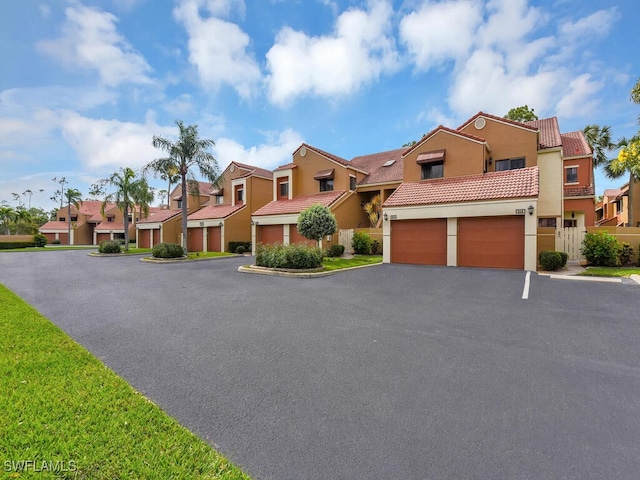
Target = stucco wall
(551,183)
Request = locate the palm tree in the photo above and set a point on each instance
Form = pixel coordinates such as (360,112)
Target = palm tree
(23,219)
(599,139)
(627,161)
(169,173)
(74,197)
(7,214)
(187,152)
(128,193)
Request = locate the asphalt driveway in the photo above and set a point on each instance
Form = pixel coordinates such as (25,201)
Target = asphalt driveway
(387,372)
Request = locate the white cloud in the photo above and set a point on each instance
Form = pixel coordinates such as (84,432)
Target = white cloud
(434,116)
(442,31)
(359,50)
(90,41)
(218,48)
(579,98)
(276,151)
(102,144)
(598,23)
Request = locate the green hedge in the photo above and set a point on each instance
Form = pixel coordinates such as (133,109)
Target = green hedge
(10,245)
(335,250)
(40,240)
(362,243)
(168,250)
(233,247)
(110,246)
(297,256)
(601,249)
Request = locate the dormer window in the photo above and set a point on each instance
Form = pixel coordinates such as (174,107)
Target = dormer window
(219,199)
(283,188)
(239,194)
(325,178)
(74,218)
(111,218)
(431,164)
(352,183)
(509,164)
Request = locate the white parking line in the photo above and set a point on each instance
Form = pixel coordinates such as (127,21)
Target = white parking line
(525,291)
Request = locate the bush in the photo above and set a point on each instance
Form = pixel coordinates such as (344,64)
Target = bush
(550,261)
(40,240)
(626,254)
(240,249)
(376,248)
(565,257)
(110,246)
(335,250)
(316,222)
(601,249)
(167,250)
(56,242)
(10,245)
(296,256)
(362,243)
(233,246)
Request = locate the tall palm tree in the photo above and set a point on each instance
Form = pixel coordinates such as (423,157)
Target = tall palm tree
(74,197)
(627,161)
(186,153)
(128,192)
(599,139)
(23,219)
(169,174)
(7,215)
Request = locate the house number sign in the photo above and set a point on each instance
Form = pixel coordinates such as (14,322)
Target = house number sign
(520,211)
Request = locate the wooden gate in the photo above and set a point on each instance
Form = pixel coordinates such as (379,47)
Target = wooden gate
(570,241)
(345,238)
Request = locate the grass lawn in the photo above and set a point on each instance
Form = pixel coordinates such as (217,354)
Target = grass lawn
(71,417)
(133,251)
(194,255)
(610,271)
(330,263)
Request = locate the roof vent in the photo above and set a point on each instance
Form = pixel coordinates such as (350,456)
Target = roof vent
(388,163)
(479,123)
(303,151)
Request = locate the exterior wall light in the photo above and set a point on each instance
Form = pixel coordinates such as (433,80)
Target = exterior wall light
(386,217)
(220,224)
(252,222)
(530,209)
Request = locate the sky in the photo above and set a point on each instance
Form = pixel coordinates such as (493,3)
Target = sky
(85,84)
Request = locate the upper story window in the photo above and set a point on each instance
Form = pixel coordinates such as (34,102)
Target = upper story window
(219,199)
(432,170)
(111,218)
(326,184)
(240,195)
(179,203)
(74,218)
(571,175)
(63,219)
(129,218)
(283,189)
(352,183)
(509,164)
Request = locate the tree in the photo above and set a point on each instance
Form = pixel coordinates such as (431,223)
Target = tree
(59,194)
(128,193)
(627,161)
(73,197)
(317,221)
(599,139)
(23,221)
(7,215)
(373,209)
(169,173)
(635,92)
(97,190)
(521,114)
(185,154)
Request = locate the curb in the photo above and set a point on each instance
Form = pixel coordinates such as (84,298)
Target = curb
(185,259)
(585,279)
(284,273)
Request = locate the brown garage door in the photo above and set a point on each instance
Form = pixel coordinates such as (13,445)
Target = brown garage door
(421,242)
(103,237)
(64,238)
(213,239)
(144,237)
(156,236)
(270,234)
(295,237)
(194,239)
(492,242)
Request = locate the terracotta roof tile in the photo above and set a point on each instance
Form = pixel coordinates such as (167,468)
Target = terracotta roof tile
(517,183)
(549,132)
(214,212)
(574,144)
(285,167)
(498,119)
(613,192)
(263,172)
(160,216)
(108,226)
(204,188)
(297,204)
(55,225)
(442,129)
(374,164)
(333,157)
(579,191)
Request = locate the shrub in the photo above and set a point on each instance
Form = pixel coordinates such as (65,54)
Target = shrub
(626,254)
(295,256)
(316,222)
(10,245)
(167,250)
(233,246)
(376,248)
(565,257)
(40,240)
(56,242)
(362,243)
(601,249)
(550,260)
(110,246)
(240,249)
(335,250)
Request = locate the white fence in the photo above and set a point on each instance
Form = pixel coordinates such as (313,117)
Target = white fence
(570,240)
(344,238)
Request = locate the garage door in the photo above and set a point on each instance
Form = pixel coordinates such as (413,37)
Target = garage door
(64,238)
(194,239)
(213,239)
(421,242)
(270,234)
(295,237)
(493,242)
(144,238)
(156,236)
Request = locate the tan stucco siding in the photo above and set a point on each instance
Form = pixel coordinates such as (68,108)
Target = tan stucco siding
(307,168)
(551,183)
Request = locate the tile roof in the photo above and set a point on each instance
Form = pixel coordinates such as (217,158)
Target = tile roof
(204,188)
(160,216)
(549,132)
(519,183)
(55,225)
(574,144)
(263,172)
(331,156)
(214,212)
(441,128)
(373,164)
(108,226)
(579,191)
(285,167)
(297,204)
(498,119)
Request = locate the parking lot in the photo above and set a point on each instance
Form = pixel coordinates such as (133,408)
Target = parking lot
(392,371)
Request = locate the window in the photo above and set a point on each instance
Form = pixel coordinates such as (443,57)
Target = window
(388,163)
(283,190)
(240,195)
(219,199)
(571,175)
(570,222)
(74,218)
(432,170)
(547,222)
(111,218)
(352,183)
(509,164)
(129,218)
(619,206)
(179,203)
(63,219)
(326,185)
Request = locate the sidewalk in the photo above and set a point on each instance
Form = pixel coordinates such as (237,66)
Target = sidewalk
(571,271)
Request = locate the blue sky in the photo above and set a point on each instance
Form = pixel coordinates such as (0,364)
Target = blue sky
(86,84)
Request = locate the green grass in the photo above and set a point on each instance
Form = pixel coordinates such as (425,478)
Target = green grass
(194,255)
(610,271)
(338,263)
(133,251)
(60,404)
